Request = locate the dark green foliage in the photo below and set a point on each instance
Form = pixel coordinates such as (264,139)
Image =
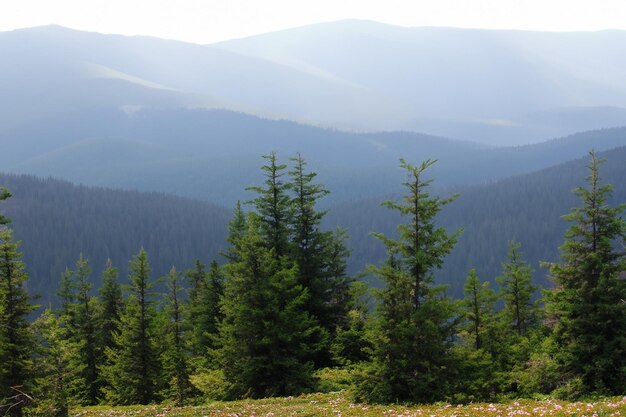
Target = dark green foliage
(236,229)
(320,257)
(273,206)
(202,309)
(412,342)
(175,356)
(517,290)
(16,341)
(265,327)
(66,293)
(54,373)
(4,194)
(525,209)
(133,364)
(350,344)
(83,334)
(111,307)
(587,303)
(478,308)
(57,220)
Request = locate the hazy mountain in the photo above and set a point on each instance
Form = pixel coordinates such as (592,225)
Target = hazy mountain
(490,86)
(495,86)
(49,71)
(214,155)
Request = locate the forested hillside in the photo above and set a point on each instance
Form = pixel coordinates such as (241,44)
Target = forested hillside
(57,221)
(526,208)
(214,155)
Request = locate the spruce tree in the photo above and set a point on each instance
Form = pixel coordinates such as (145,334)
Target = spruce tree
(415,326)
(587,302)
(16,342)
(478,374)
(111,306)
(53,370)
(478,307)
(134,365)
(67,294)
(175,355)
(273,205)
(263,349)
(83,335)
(320,256)
(517,289)
(236,230)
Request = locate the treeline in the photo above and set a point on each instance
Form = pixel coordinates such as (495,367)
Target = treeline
(282,317)
(58,220)
(526,209)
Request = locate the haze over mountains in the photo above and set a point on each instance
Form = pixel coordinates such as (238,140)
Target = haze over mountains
(489,86)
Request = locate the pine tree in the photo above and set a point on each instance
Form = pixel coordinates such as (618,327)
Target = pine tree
(588,301)
(265,326)
(478,306)
(133,363)
(415,327)
(175,356)
(53,371)
(15,336)
(273,206)
(111,307)
(236,230)
(67,294)
(517,290)
(320,256)
(478,373)
(83,334)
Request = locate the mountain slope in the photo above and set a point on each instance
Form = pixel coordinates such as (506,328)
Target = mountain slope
(489,86)
(213,155)
(525,208)
(57,221)
(493,86)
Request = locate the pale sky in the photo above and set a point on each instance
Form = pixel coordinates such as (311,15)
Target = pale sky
(207,21)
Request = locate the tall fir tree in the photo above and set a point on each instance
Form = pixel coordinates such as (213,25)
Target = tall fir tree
(478,306)
(175,355)
(83,335)
(587,302)
(67,294)
(320,257)
(110,310)
(54,372)
(415,328)
(263,349)
(274,206)
(134,365)
(236,230)
(16,342)
(517,289)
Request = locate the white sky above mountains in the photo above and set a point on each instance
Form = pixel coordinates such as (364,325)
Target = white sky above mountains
(208,21)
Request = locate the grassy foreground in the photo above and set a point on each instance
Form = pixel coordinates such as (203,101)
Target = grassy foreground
(337,405)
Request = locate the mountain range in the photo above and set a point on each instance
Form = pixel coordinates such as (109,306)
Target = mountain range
(489,86)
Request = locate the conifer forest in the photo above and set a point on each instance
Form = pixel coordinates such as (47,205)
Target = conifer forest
(278,314)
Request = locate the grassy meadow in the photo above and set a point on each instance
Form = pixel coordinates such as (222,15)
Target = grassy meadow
(338,405)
